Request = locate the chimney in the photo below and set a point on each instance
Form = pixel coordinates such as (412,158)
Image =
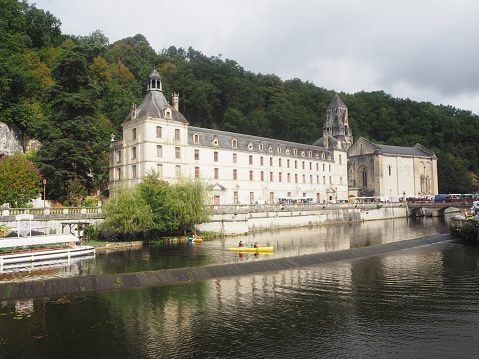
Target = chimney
(176,100)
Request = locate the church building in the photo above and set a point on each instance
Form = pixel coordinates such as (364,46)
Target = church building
(247,169)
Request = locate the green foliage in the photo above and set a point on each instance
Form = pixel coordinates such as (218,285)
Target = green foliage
(127,212)
(20,180)
(76,192)
(167,208)
(189,202)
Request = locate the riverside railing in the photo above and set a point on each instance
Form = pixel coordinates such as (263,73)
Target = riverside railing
(51,211)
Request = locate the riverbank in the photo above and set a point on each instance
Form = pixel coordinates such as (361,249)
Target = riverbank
(91,284)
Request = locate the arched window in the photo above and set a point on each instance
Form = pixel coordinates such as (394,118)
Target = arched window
(363,176)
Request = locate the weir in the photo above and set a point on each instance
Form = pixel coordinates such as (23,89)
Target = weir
(91,284)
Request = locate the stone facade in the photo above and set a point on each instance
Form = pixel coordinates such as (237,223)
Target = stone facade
(391,172)
(240,168)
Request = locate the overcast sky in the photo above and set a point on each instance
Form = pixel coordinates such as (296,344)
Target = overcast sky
(425,50)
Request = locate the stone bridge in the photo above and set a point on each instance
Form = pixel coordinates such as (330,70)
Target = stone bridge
(435,209)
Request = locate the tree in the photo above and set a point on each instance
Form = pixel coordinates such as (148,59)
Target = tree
(158,194)
(20,180)
(127,212)
(189,202)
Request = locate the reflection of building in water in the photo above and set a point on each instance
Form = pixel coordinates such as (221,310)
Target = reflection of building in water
(24,306)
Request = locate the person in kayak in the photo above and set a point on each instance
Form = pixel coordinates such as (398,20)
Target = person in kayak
(241,244)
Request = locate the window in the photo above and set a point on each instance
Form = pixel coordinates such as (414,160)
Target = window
(317,166)
(250,159)
(250,175)
(317,179)
(159,132)
(324,179)
(271,176)
(304,178)
(118,156)
(234,143)
(310,178)
(296,178)
(159,151)
(235,158)
(196,138)
(389,170)
(216,173)
(340,180)
(280,177)
(177,152)
(159,169)
(296,164)
(262,175)
(271,161)
(119,174)
(177,171)
(133,152)
(251,197)
(323,167)
(197,172)
(177,134)
(279,162)
(310,166)
(134,133)
(330,180)
(260,147)
(310,153)
(271,197)
(133,171)
(340,160)
(287,163)
(278,149)
(303,165)
(288,179)
(197,155)
(235,174)
(215,156)
(295,152)
(329,168)
(235,197)
(261,161)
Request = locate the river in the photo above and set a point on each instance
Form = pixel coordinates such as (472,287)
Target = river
(418,303)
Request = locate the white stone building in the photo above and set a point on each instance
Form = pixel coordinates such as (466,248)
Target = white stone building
(240,168)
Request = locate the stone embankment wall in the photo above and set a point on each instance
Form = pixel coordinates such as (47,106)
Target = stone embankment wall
(236,223)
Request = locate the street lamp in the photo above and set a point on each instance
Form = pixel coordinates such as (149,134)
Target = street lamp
(44,192)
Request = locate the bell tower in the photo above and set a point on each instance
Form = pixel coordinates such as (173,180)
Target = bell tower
(337,123)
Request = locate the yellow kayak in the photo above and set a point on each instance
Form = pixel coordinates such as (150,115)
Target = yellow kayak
(196,240)
(251,249)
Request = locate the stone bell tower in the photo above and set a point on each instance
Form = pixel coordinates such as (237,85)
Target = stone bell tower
(337,124)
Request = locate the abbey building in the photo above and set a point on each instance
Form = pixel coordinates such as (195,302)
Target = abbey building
(252,169)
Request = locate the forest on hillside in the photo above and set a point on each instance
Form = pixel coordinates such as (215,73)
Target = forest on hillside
(71,92)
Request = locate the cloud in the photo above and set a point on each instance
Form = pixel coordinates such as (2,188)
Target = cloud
(420,49)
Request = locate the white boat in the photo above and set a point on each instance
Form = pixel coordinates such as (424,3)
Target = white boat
(40,248)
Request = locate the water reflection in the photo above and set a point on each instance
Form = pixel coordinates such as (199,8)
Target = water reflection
(286,243)
(418,302)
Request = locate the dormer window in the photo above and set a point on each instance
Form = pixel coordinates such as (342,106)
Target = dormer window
(287,151)
(215,141)
(270,149)
(196,138)
(260,147)
(250,146)
(278,149)
(234,143)
(295,152)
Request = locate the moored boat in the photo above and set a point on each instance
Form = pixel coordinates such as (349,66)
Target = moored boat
(40,248)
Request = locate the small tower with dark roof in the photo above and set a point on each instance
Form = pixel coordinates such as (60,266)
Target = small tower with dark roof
(337,124)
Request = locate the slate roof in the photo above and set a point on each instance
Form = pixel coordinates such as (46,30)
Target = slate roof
(337,102)
(417,150)
(251,143)
(154,105)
